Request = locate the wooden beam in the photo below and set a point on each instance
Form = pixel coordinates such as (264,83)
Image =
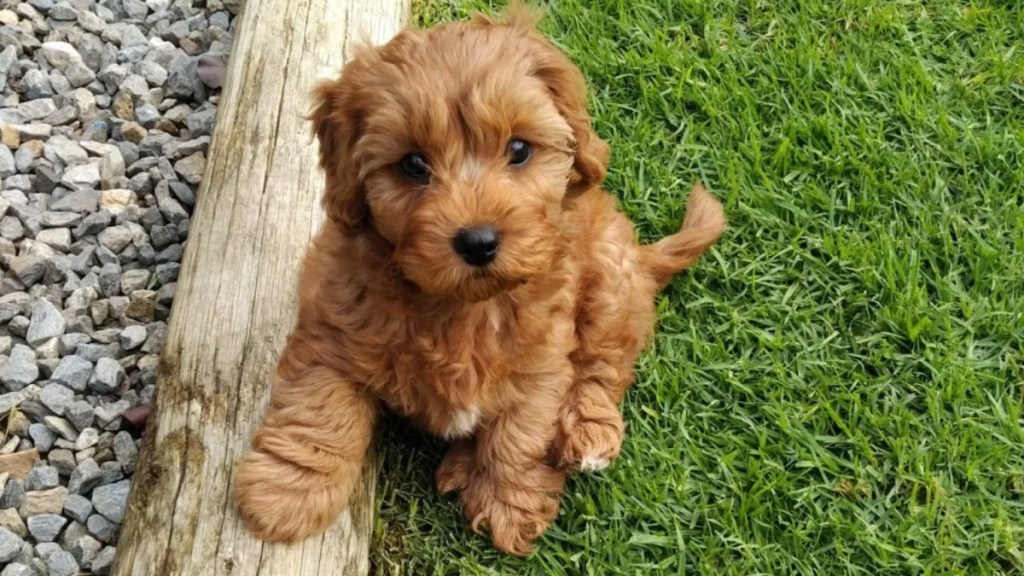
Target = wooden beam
(258,207)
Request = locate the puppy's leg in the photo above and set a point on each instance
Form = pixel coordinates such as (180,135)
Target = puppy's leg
(513,491)
(612,331)
(590,425)
(455,469)
(307,456)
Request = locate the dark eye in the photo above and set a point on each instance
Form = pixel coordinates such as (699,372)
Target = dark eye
(415,167)
(519,152)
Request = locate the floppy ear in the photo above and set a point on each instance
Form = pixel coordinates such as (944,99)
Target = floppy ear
(568,90)
(337,121)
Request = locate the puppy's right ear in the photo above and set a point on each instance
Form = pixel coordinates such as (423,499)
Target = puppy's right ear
(337,121)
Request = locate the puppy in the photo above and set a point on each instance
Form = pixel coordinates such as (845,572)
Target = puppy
(471,275)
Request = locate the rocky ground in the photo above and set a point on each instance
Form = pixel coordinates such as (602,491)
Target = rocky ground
(106,115)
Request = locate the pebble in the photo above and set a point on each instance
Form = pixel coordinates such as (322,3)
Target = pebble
(104,530)
(20,370)
(45,527)
(110,500)
(85,477)
(10,545)
(47,322)
(61,563)
(78,507)
(107,376)
(73,372)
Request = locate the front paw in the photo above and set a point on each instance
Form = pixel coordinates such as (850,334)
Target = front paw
(453,473)
(590,435)
(514,516)
(282,502)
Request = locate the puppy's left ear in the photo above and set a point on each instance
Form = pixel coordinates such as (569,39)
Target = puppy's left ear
(567,87)
(337,121)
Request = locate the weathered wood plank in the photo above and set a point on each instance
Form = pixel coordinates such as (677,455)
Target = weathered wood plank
(258,207)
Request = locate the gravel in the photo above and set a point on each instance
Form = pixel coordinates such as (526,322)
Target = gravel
(106,112)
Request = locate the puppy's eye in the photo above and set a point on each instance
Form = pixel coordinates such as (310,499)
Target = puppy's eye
(415,167)
(519,151)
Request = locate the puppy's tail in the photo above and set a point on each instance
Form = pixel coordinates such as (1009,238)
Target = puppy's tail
(703,225)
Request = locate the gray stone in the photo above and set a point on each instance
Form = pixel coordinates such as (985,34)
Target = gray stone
(42,478)
(170,208)
(182,78)
(78,75)
(107,376)
(81,176)
(81,201)
(57,238)
(28,269)
(133,280)
(35,84)
(13,494)
(37,109)
(73,372)
(56,397)
(112,168)
(63,11)
(18,569)
(61,564)
(62,427)
(11,228)
(111,472)
(85,477)
(46,549)
(7,163)
(78,507)
(95,352)
(47,322)
(62,116)
(80,414)
(115,238)
(42,437)
(85,548)
(191,167)
(45,527)
(110,500)
(110,274)
(20,370)
(63,460)
(87,439)
(10,545)
(62,150)
(183,192)
(103,561)
(132,337)
(93,224)
(126,452)
(60,219)
(104,530)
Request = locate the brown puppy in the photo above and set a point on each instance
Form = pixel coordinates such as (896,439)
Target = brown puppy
(471,275)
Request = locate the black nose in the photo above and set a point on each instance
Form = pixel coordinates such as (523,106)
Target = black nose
(477,245)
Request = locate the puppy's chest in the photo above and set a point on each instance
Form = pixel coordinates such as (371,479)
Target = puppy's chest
(448,376)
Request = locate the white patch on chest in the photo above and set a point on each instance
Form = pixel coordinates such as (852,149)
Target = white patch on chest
(463,423)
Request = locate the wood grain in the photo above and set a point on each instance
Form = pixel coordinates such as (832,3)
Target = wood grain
(258,207)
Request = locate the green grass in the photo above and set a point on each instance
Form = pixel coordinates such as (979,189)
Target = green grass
(837,387)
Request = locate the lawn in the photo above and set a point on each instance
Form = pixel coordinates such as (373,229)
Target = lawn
(837,387)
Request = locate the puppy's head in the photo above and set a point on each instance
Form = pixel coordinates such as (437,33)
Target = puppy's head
(458,145)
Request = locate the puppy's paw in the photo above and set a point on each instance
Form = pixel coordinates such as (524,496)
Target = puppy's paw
(592,441)
(453,473)
(282,502)
(514,516)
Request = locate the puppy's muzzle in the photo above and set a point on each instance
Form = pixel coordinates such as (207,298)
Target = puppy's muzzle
(477,245)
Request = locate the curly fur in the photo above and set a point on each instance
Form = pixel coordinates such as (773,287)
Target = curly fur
(523,363)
